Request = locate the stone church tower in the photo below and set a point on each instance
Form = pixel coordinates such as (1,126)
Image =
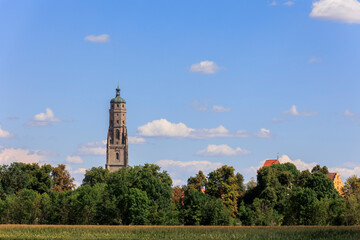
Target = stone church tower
(117,140)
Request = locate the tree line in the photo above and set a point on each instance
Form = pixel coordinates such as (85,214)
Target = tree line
(139,195)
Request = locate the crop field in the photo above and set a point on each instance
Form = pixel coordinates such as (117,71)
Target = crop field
(175,232)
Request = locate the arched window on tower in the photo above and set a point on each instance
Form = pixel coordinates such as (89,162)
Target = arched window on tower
(123,138)
(117,156)
(117,134)
(112,136)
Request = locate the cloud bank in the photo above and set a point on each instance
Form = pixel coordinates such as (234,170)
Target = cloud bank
(165,128)
(9,155)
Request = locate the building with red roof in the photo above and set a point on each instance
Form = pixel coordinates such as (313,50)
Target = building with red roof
(268,163)
(338,184)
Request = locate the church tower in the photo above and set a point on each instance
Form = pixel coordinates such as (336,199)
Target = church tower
(117,140)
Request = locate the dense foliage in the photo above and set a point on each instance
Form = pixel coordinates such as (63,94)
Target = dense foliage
(141,195)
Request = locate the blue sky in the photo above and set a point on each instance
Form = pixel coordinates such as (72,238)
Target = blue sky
(207,83)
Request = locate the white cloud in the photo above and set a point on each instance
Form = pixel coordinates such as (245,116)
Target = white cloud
(346,172)
(74,159)
(301,165)
(289,3)
(203,107)
(263,133)
(314,60)
(164,128)
(222,150)
(204,133)
(178,182)
(80,170)
(137,140)
(92,148)
(347,11)
(278,120)
(273,3)
(44,119)
(205,67)
(201,165)
(9,155)
(348,113)
(294,112)
(181,171)
(5,134)
(47,116)
(102,38)
(218,108)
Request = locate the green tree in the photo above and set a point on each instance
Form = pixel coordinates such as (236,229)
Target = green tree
(137,207)
(95,175)
(46,209)
(88,200)
(223,184)
(198,182)
(213,212)
(193,203)
(202,209)
(302,207)
(352,195)
(319,169)
(240,179)
(23,208)
(322,185)
(352,186)
(19,176)
(264,213)
(304,175)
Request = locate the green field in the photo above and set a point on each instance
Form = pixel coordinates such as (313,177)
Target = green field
(176,232)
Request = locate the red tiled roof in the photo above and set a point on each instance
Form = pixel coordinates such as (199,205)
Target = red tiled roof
(331,175)
(270,162)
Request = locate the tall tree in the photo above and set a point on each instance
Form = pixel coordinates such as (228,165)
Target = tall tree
(95,175)
(137,207)
(222,183)
(240,179)
(319,169)
(62,179)
(198,182)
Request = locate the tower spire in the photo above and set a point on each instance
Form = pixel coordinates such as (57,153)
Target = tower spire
(118,91)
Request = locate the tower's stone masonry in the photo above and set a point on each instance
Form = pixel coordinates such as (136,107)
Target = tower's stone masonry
(117,140)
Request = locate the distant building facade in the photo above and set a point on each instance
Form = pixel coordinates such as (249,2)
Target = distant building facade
(338,184)
(117,140)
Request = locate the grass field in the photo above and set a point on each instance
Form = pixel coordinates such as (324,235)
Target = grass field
(176,232)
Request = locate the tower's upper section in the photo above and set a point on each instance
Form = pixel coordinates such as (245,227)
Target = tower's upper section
(117,98)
